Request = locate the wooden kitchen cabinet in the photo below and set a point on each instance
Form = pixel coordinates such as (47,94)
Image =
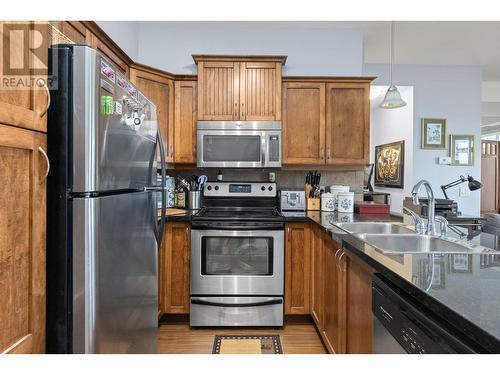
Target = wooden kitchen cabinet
(174,260)
(333,330)
(357,302)
(22,234)
(186,102)
(74,31)
(490,177)
(340,296)
(100,41)
(326,120)
(347,122)
(260,90)
(297,268)
(317,276)
(23,106)
(303,123)
(239,87)
(159,88)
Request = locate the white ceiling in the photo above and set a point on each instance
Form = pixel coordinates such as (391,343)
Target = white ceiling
(446,42)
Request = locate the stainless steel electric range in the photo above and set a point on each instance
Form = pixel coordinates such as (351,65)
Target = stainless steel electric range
(237,257)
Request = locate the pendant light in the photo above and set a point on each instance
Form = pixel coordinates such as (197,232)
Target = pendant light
(392,98)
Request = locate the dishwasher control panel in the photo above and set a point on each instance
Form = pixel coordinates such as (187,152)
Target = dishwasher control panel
(400,325)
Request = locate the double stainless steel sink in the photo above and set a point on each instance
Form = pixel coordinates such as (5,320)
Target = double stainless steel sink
(394,238)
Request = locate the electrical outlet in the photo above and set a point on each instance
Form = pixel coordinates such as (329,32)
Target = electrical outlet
(463,191)
(444,160)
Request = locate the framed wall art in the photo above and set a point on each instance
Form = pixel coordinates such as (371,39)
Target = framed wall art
(389,164)
(433,134)
(462,149)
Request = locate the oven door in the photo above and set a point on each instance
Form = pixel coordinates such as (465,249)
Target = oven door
(237,262)
(231,148)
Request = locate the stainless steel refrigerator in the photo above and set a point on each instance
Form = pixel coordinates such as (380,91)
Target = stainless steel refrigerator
(103,234)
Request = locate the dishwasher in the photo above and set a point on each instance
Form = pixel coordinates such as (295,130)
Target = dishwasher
(400,326)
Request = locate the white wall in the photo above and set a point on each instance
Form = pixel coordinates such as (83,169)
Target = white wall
(390,126)
(443,91)
(311,49)
(123,33)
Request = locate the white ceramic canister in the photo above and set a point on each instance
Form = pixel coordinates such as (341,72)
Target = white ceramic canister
(345,201)
(327,202)
(335,190)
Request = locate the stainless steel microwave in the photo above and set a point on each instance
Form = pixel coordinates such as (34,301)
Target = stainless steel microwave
(239,144)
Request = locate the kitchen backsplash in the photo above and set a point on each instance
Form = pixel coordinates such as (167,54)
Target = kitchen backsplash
(284,179)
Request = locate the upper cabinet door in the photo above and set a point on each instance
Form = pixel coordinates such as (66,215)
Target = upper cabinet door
(185,122)
(347,123)
(260,91)
(303,123)
(160,90)
(218,90)
(21,105)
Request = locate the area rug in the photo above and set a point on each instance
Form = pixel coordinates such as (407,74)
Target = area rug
(247,344)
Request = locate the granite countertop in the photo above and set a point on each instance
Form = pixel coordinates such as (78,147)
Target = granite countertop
(465,289)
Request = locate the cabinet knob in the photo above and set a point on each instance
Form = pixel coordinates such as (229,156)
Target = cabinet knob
(322,152)
(242,109)
(328,152)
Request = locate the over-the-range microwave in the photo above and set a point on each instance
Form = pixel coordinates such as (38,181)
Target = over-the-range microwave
(239,144)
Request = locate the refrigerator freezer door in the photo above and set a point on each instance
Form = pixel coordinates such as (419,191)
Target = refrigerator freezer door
(115,303)
(114,128)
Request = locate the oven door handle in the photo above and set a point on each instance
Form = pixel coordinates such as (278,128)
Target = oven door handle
(251,304)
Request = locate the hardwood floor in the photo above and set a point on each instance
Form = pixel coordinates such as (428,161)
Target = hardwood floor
(178,338)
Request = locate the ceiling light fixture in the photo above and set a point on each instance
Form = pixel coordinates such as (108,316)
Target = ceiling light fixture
(392,97)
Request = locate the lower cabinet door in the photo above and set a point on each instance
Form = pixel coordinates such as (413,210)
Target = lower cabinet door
(297,268)
(332,332)
(317,277)
(174,268)
(358,305)
(23,169)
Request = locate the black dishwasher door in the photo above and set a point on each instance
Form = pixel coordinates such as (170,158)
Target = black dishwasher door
(400,326)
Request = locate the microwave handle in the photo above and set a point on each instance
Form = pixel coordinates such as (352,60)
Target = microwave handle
(264,149)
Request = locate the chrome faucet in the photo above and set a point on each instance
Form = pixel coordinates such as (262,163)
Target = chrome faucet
(417,220)
(431,224)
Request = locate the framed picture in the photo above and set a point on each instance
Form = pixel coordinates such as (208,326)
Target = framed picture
(462,149)
(389,164)
(433,134)
(460,263)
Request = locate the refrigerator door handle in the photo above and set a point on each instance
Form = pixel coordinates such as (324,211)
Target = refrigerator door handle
(163,192)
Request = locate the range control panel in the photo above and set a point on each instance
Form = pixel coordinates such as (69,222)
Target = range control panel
(240,189)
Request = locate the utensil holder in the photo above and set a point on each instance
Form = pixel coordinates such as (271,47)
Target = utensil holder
(194,200)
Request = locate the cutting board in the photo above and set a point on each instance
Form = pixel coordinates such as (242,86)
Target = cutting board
(174,212)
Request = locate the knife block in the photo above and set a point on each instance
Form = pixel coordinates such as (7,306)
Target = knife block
(312,204)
